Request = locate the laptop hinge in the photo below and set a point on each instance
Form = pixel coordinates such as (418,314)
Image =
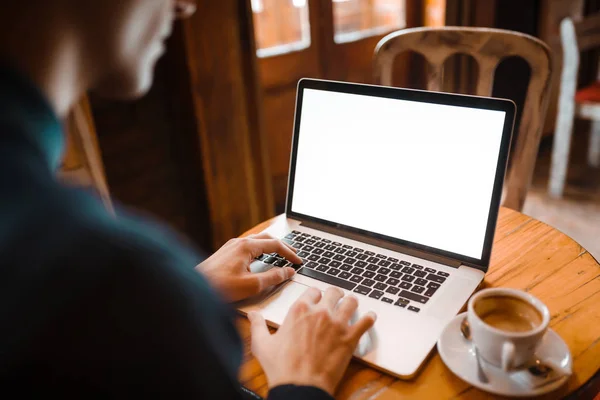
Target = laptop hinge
(384,244)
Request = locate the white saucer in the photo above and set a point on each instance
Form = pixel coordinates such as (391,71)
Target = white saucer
(459,356)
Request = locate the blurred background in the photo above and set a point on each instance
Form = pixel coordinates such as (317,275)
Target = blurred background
(207,150)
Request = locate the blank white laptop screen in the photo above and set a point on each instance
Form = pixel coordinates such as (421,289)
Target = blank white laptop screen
(414,171)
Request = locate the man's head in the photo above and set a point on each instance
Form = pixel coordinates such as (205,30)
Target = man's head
(125,38)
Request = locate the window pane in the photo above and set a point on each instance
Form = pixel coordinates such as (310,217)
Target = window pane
(357,19)
(280,26)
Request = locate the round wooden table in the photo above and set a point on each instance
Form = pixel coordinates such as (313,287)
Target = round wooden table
(527,255)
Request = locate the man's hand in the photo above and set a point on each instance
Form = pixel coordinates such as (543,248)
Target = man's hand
(228,269)
(314,344)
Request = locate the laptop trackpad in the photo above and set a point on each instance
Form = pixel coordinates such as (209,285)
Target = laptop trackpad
(275,308)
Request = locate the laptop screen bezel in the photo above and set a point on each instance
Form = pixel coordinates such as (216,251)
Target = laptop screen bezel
(504,105)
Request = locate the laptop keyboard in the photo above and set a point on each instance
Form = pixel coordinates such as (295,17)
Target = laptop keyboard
(392,281)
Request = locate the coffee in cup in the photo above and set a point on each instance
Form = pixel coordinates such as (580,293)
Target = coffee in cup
(508,313)
(507,326)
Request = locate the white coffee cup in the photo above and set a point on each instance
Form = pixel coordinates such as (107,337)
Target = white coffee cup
(508,349)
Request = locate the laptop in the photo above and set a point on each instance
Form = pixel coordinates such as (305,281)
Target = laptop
(393,196)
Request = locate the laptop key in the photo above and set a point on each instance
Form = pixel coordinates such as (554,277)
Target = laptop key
(415,309)
(405,285)
(350,260)
(318,251)
(373,260)
(429,292)
(322,268)
(270,260)
(384,263)
(358,250)
(376,294)
(335,271)
(345,275)
(345,267)
(280,263)
(368,282)
(435,278)
(387,300)
(305,234)
(324,260)
(339,250)
(384,271)
(405,263)
(326,240)
(417,289)
(442,273)
(430,270)
(357,271)
(339,257)
(362,290)
(316,237)
(335,264)
(369,253)
(334,280)
(392,281)
(319,245)
(288,241)
(413,296)
(408,270)
(337,243)
(310,241)
(420,282)
(396,274)
(420,274)
(346,246)
(308,248)
(392,259)
(401,303)
(380,286)
(330,247)
(300,239)
(372,267)
(356,278)
(362,256)
(415,266)
(368,274)
(408,278)
(328,254)
(433,285)
(381,256)
(392,290)
(303,254)
(351,254)
(312,264)
(380,278)
(295,232)
(361,264)
(395,267)
(289,236)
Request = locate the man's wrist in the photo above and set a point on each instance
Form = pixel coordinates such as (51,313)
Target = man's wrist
(315,382)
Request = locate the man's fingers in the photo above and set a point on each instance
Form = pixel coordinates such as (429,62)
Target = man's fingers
(260,246)
(346,308)
(361,326)
(331,298)
(273,277)
(258,329)
(311,296)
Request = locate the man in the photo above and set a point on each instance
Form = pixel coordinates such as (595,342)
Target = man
(93,306)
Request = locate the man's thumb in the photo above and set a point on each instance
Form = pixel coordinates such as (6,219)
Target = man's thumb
(258,329)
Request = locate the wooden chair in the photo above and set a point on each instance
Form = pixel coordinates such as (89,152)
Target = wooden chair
(583,103)
(488,47)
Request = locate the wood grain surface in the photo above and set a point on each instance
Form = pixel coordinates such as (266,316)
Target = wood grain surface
(527,255)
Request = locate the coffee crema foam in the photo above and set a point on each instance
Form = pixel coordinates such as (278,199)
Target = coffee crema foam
(508,313)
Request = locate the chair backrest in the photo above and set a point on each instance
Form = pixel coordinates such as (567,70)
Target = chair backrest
(488,47)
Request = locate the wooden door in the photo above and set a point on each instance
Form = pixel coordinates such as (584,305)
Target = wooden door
(328,39)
